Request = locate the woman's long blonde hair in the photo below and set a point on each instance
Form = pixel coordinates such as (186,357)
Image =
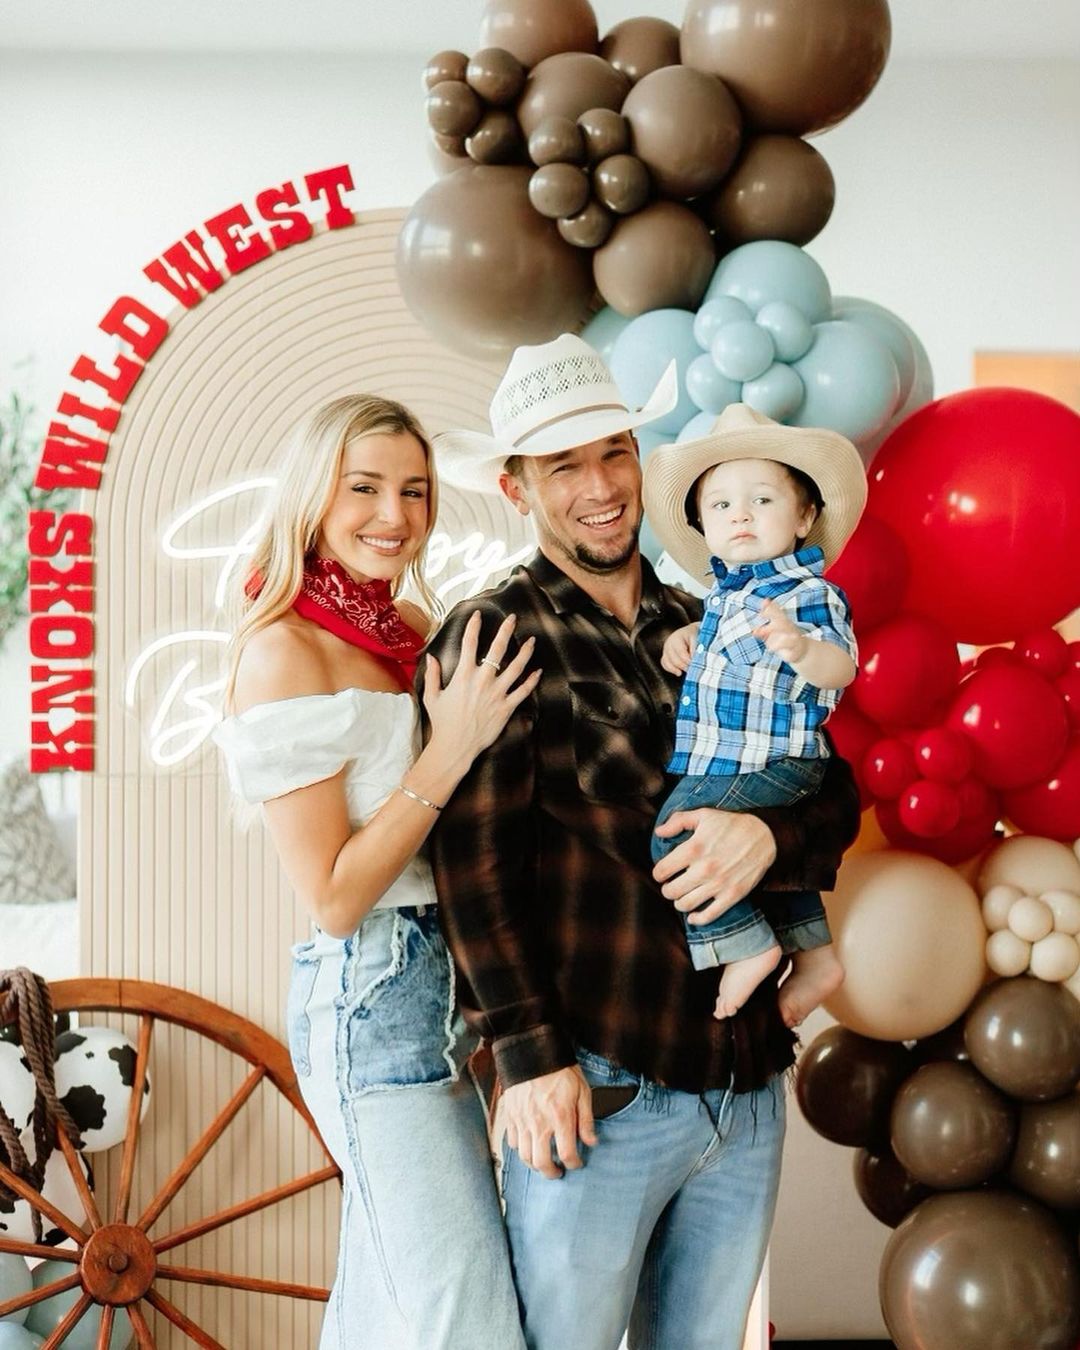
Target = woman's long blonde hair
(309,478)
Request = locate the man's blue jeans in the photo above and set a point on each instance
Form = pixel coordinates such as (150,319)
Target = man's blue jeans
(663,1230)
(794,919)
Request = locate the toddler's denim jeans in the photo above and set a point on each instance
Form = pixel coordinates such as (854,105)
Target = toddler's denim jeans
(794,919)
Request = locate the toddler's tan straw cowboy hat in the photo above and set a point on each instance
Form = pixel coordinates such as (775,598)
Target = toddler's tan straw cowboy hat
(742,433)
(553,397)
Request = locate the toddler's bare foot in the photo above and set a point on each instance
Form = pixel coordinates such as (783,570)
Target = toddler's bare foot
(740,979)
(815,976)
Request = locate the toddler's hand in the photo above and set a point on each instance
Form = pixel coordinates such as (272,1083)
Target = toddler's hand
(780,635)
(678,649)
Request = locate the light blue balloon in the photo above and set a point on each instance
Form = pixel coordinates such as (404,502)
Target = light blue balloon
(649,440)
(602,330)
(46,1316)
(16,1337)
(770,269)
(697,427)
(912,363)
(788,327)
(777,393)
(742,351)
(14,1282)
(641,354)
(852,384)
(710,390)
(714,314)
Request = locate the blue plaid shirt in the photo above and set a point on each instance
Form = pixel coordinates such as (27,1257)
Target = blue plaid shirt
(741,705)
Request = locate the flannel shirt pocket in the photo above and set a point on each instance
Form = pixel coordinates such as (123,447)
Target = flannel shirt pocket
(612,743)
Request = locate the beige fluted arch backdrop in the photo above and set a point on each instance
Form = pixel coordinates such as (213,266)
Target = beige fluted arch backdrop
(171,887)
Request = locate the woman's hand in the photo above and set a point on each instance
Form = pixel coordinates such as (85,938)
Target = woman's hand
(470,712)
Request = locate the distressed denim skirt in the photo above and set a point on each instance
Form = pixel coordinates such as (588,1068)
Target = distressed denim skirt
(379,1051)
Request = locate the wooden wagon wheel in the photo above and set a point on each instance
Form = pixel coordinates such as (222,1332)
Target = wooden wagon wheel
(117,1263)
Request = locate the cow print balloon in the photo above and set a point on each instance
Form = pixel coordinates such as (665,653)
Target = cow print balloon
(16,1219)
(95,1072)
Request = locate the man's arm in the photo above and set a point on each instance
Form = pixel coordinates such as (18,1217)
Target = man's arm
(780,848)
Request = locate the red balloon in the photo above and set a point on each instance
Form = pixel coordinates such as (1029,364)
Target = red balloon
(963,841)
(929,809)
(908,665)
(888,767)
(1051,807)
(995,656)
(1016,723)
(980,485)
(872,571)
(853,735)
(1046,650)
(943,755)
(1068,686)
(1073,656)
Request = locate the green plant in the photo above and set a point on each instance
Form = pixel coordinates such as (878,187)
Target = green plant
(19,452)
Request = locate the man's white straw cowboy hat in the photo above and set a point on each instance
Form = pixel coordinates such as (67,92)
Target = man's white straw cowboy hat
(553,397)
(740,432)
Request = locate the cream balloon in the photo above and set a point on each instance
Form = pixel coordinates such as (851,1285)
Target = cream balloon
(1066,909)
(910,935)
(1055,958)
(1030,919)
(1072,984)
(1032,864)
(996,904)
(1006,954)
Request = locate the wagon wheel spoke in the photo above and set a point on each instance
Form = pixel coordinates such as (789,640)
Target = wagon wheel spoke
(75,1314)
(105,1329)
(89,1204)
(186,1325)
(33,1296)
(37,1201)
(140,1327)
(245,1207)
(18,1248)
(221,1279)
(210,1136)
(131,1138)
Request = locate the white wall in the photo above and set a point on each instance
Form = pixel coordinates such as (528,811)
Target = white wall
(958,193)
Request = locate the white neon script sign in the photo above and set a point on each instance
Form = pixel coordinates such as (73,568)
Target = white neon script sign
(185,710)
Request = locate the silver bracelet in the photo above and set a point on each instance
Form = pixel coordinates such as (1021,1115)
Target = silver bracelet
(415,796)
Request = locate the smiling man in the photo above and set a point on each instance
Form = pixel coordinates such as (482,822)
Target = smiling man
(643,1136)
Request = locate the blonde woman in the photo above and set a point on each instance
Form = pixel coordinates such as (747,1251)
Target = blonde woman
(323,731)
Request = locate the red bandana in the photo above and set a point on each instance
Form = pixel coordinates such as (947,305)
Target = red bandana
(360,612)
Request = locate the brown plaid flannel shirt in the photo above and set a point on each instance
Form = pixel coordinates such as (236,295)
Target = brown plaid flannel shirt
(542,861)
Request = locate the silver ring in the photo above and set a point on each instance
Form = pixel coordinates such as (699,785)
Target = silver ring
(489,661)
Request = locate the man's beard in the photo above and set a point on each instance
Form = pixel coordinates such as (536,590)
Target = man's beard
(602,563)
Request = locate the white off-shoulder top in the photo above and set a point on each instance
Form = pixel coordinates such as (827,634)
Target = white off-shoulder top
(274,748)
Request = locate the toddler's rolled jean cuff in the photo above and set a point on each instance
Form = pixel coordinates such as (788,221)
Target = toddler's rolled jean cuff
(736,942)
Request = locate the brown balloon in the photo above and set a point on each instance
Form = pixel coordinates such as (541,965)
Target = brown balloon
(445,66)
(446,153)
(621,183)
(482,271)
(589,228)
(558,190)
(780,188)
(568,85)
(886,1190)
(661,257)
(637,47)
(496,75)
(947,1044)
(845,1085)
(606,133)
(453,109)
(794,67)
(1024,1035)
(687,128)
(1046,1160)
(950,1128)
(535,29)
(557,140)
(980,1270)
(497,140)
